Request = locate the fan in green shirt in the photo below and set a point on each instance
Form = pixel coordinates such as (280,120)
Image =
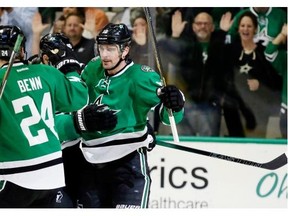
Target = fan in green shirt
(278,58)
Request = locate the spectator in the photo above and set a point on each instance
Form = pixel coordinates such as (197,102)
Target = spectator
(198,67)
(217,13)
(254,77)
(37,28)
(58,25)
(73,29)
(139,43)
(95,20)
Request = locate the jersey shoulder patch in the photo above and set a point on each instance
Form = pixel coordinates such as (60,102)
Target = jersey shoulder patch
(146,68)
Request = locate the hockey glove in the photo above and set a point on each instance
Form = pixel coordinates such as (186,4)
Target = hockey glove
(68,64)
(171,97)
(95,118)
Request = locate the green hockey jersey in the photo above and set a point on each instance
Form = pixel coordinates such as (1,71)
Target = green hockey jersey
(30,150)
(278,59)
(131,93)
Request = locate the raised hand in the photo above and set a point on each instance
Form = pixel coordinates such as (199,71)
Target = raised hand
(177,24)
(37,26)
(226,21)
(90,22)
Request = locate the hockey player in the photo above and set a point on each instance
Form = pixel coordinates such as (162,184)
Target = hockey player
(92,117)
(31,170)
(114,172)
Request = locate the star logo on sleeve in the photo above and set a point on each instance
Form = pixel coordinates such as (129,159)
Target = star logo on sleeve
(245,68)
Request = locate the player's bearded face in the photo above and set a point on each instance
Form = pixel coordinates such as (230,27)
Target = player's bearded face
(110,55)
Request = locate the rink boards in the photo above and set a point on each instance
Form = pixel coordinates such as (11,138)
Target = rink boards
(182,179)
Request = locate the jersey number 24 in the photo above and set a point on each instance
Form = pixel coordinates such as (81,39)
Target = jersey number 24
(46,116)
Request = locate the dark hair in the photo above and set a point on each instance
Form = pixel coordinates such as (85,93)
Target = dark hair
(251,16)
(78,14)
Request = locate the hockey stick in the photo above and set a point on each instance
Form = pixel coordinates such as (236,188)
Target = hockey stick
(159,66)
(271,165)
(11,61)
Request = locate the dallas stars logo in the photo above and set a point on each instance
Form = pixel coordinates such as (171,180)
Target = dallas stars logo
(245,68)
(98,101)
(263,36)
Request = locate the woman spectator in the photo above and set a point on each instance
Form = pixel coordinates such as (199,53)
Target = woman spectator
(139,44)
(255,78)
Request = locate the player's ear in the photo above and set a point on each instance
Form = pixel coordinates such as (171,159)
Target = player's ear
(45,59)
(125,52)
(22,53)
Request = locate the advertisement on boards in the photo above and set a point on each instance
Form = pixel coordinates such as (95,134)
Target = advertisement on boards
(182,179)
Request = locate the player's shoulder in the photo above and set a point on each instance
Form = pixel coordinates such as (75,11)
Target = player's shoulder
(143,73)
(44,70)
(93,65)
(41,67)
(94,62)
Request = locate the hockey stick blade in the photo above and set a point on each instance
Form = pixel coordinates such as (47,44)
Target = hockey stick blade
(271,165)
(276,163)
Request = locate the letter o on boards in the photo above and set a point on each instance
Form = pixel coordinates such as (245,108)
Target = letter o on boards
(171,177)
(264,179)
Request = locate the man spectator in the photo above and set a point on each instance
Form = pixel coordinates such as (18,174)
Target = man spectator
(198,66)
(73,29)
